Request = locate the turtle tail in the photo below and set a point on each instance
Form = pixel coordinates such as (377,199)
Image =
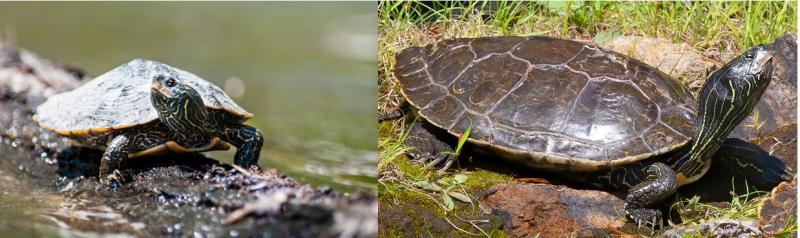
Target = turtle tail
(395,114)
(392,115)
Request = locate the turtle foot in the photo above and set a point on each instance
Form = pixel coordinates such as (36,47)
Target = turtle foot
(428,148)
(645,217)
(657,186)
(114,179)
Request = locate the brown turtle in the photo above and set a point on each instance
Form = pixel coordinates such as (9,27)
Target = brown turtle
(578,110)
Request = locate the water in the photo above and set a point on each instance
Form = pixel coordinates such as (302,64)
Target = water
(306,70)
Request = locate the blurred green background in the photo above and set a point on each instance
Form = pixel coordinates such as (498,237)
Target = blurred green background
(306,70)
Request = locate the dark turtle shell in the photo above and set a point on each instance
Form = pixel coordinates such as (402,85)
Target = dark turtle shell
(547,101)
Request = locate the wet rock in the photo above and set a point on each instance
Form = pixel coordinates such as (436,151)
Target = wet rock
(722,228)
(779,208)
(681,61)
(23,72)
(175,195)
(550,211)
(777,106)
(198,196)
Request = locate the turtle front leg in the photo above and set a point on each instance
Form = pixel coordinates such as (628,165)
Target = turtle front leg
(659,184)
(114,159)
(430,145)
(248,142)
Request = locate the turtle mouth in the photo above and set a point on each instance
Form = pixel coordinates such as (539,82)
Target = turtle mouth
(159,88)
(762,62)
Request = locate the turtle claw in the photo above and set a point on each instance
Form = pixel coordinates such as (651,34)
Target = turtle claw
(447,163)
(424,157)
(114,180)
(645,217)
(437,160)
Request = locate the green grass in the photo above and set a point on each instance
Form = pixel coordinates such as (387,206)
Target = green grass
(742,207)
(721,30)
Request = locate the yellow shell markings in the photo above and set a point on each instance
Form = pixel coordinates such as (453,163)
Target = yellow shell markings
(171,146)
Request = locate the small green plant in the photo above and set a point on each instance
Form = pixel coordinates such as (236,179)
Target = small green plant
(461,140)
(756,123)
(446,188)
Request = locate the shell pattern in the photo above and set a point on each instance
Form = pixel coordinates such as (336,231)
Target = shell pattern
(120,98)
(555,100)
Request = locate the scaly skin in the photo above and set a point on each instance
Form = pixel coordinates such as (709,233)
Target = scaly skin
(247,139)
(657,186)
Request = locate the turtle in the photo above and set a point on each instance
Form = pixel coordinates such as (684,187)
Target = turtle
(144,108)
(576,110)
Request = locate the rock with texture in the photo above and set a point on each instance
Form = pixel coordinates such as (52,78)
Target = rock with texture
(681,61)
(779,208)
(550,210)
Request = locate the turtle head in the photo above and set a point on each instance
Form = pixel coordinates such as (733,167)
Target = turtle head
(753,67)
(179,106)
(727,97)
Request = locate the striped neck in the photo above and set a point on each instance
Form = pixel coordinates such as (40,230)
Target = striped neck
(727,97)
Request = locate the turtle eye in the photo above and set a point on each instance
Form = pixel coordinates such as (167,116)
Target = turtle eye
(748,56)
(170,82)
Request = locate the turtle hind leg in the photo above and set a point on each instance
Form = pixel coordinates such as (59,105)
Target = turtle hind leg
(430,144)
(114,159)
(248,141)
(659,184)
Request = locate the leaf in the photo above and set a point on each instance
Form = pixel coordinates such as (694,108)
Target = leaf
(448,202)
(459,179)
(460,196)
(461,140)
(428,186)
